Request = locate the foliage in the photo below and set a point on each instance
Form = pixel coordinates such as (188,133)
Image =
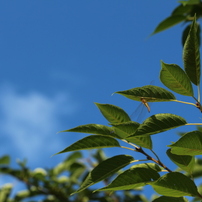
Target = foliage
(171,185)
(57,184)
(123,176)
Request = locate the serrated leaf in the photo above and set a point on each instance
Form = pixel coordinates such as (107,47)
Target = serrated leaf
(175,185)
(186,32)
(96,129)
(150,93)
(170,199)
(92,142)
(189,144)
(159,123)
(132,178)
(191,55)
(169,22)
(113,113)
(124,130)
(185,162)
(173,77)
(105,169)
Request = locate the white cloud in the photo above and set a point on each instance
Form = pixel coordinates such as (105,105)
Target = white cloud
(29,122)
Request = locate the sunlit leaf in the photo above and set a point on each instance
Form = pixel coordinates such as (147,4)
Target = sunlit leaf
(173,77)
(149,92)
(186,32)
(159,123)
(169,22)
(183,161)
(105,169)
(92,142)
(113,113)
(191,54)
(96,129)
(175,185)
(189,144)
(190,2)
(132,178)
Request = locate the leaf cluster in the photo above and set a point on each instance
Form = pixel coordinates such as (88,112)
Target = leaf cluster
(122,130)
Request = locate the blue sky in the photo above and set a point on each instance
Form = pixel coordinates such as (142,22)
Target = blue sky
(58,57)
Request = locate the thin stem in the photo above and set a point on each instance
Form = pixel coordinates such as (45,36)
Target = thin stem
(139,149)
(128,148)
(152,159)
(193,124)
(155,154)
(199,95)
(189,103)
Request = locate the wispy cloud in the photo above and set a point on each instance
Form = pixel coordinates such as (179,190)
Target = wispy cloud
(28,122)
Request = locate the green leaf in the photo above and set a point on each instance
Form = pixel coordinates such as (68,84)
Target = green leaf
(186,32)
(182,10)
(150,93)
(124,130)
(159,123)
(105,169)
(173,77)
(5,192)
(131,179)
(191,55)
(144,141)
(190,2)
(183,161)
(169,22)
(175,185)
(5,160)
(113,113)
(170,199)
(96,129)
(92,142)
(189,144)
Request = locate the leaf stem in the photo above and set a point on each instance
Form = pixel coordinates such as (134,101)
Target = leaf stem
(199,95)
(152,159)
(193,124)
(189,103)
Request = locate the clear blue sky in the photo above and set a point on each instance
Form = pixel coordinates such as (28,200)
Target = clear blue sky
(58,57)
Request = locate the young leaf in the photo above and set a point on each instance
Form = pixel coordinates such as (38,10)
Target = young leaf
(191,55)
(149,92)
(189,144)
(170,199)
(173,77)
(132,178)
(96,129)
(159,123)
(92,142)
(105,169)
(183,161)
(113,113)
(169,22)
(175,185)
